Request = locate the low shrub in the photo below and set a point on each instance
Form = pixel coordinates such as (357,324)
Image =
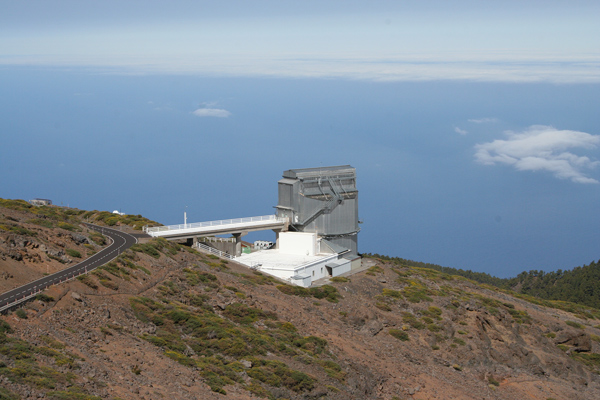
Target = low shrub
(5,327)
(575,324)
(44,297)
(399,334)
(459,341)
(46,223)
(98,238)
(73,253)
(339,279)
(326,292)
(67,226)
(88,280)
(376,269)
(412,320)
(493,382)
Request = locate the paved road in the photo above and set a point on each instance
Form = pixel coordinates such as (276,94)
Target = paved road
(121,241)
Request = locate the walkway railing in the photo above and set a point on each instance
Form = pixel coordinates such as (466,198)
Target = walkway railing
(214,251)
(224,222)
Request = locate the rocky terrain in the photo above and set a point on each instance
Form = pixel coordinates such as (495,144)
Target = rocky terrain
(163,321)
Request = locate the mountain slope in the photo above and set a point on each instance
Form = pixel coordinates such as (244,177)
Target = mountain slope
(580,285)
(163,321)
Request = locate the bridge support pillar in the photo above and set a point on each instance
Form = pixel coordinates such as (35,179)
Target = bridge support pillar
(277,231)
(238,242)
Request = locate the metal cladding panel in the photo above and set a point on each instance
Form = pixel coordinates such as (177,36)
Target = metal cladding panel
(287,190)
(348,242)
(342,220)
(309,193)
(303,173)
(285,194)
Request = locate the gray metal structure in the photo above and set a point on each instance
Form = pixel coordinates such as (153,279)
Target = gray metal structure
(322,200)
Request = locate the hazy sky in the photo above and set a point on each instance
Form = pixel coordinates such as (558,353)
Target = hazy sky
(473,125)
(382,40)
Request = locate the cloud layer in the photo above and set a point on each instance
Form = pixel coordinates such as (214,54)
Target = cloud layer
(484,120)
(542,148)
(211,112)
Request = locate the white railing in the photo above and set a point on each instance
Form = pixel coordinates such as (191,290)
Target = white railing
(21,300)
(223,222)
(214,239)
(214,251)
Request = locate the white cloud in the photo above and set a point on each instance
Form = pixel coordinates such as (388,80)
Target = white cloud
(211,112)
(542,148)
(484,120)
(415,67)
(460,131)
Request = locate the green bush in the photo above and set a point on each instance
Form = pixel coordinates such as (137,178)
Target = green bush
(492,381)
(98,238)
(575,324)
(339,279)
(5,327)
(5,394)
(88,280)
(21,313)
(399,334)
(195,277)
(46,223)
(73,253)
(66,226)
(18,229)
(109,284)
(591,360)
(275,373)
(412,320)
(433,312)
(383,306)
(146,248)
(44,297)
(374,270)
(396,294)
(326,292)
(242,314)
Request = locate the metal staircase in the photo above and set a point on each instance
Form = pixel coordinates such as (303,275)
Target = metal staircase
(334,198)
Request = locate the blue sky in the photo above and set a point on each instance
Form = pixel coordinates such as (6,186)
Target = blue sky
(473,126)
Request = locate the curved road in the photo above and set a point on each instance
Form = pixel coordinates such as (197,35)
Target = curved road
(121,241)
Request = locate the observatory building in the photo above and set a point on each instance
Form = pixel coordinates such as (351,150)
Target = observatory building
(316,228)
(320,207)
(323,201)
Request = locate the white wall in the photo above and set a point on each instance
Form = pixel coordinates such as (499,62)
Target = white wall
(299,243)
(341,268)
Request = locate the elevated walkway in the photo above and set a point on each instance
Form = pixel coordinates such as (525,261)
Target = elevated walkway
(236,226)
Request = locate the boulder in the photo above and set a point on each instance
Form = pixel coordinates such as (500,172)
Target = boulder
(79,239)
(580,341)
(76,296)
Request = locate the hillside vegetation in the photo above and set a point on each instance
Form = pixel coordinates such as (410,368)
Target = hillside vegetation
(580,285)
(164,321)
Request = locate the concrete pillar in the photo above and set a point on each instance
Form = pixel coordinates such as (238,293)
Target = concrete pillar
(277,231)
(238,242)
